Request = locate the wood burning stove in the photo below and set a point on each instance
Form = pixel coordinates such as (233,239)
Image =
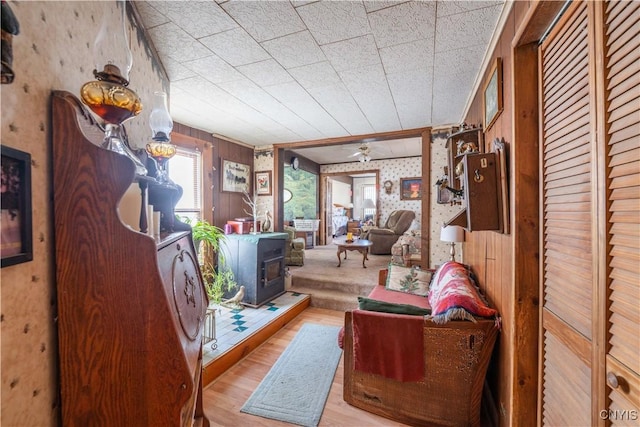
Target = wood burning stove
(257,263)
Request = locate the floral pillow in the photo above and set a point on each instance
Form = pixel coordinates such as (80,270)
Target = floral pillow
(454,296)
(410,280)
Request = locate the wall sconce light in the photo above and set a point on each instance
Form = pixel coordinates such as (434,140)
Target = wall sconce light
(108,96)
(161,148)
(453,234)
(388,186)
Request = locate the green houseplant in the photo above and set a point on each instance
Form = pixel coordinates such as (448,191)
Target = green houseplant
(207,239)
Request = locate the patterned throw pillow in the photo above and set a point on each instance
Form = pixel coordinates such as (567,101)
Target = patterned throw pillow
(454,296)
(411,280)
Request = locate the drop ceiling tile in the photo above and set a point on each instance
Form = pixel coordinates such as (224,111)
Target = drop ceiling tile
(416,55)
(473,28)
(236,47)
(295,98)
(175,70)
(403,23)
(315,75)
(198,18)
(266,73)
(339,103)
(294,50)
(333,21)
(357,52)
(458,66)
(254,96)
(452,7)
(370,89)
(149,14)
(265,20)
(372,6)
(213,69)
(172,41)
(411,94)
(298,3)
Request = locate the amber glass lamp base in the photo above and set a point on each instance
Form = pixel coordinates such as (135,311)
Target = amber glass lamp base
(112,102)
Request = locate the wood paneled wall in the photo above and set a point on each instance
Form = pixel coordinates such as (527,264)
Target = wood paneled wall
(219,206)
(498,259)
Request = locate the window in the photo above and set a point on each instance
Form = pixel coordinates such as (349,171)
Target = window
(369,201)
(304,200)
(185,169)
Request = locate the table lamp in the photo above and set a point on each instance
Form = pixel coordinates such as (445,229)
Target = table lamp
(453,234)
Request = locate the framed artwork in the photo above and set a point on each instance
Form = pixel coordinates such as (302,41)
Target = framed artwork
(411,188)
(16,207)
(492,95)
(263,183)
(236,177)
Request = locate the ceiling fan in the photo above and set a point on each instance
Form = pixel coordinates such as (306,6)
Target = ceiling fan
(363,153)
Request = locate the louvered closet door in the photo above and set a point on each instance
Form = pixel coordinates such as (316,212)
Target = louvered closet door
(622,63)
(567,206)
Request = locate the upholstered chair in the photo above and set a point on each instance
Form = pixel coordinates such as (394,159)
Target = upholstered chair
(294,247)
(406,250)
(383,238)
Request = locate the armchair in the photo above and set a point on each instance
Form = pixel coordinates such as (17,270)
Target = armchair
(383,238)
(294,247)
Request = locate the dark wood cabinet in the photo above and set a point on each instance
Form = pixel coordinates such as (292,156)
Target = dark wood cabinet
(481,179)
(130,307)
(459,144)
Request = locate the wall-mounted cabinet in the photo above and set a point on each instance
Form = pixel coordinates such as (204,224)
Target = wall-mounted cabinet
(459,144)
(481,178)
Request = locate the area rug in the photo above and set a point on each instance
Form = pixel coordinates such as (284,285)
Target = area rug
(296,388)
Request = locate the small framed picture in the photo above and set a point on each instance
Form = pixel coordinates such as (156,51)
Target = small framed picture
(411,188)
(492,94)
(236,177)
(16,207)
(263,183)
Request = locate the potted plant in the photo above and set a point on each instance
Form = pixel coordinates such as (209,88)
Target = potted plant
(207,239)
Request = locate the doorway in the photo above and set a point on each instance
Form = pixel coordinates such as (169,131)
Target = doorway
(348,199)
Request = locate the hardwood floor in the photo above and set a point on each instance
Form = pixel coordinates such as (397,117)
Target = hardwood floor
(225,396)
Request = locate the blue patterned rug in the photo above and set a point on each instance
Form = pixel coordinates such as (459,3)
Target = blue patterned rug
(296,388)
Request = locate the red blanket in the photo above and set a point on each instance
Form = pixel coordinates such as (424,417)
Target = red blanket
(390,345)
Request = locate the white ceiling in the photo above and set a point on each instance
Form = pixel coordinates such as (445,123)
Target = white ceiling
(265,72)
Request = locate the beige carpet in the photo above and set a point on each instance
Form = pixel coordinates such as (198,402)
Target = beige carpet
(336,287)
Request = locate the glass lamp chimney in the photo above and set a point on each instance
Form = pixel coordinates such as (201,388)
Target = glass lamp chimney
(160,120)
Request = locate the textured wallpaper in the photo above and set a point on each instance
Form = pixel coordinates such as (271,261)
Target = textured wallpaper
(53,51)
(440,213)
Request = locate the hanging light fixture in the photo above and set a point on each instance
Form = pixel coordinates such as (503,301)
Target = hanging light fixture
(161,148)
(108,95)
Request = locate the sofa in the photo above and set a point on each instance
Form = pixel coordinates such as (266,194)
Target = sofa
(415,358)
(294,247)
(383,238)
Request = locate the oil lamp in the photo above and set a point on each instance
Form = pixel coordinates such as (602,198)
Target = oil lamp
(161,148)
(108,95)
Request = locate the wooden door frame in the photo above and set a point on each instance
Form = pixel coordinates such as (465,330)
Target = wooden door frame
(525,163)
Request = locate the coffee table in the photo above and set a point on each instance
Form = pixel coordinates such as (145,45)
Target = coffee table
(360,245)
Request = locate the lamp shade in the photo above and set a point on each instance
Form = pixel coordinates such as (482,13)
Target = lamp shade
(452,233)
(368,204)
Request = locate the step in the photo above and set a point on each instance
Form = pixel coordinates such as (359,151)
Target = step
(329,299)
(319,283)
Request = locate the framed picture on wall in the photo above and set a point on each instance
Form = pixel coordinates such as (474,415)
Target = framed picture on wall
(263,183)
(492,95)
(16,207)
(411,188)
(236,177)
